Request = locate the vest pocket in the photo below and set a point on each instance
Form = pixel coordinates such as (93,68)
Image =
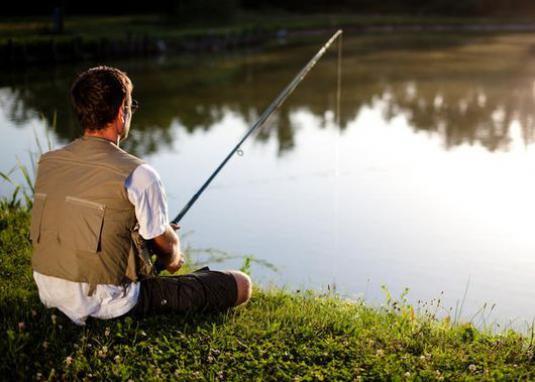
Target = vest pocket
(38,207)
(81,224)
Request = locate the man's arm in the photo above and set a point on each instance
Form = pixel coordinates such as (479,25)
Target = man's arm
(145,191)
(167,249)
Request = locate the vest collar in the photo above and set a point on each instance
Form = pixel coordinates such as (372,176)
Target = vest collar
(94,138)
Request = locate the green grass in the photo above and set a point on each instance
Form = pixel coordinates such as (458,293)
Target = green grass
(277,336)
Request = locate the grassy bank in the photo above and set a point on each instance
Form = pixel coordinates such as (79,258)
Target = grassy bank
(277,336)
(31,41)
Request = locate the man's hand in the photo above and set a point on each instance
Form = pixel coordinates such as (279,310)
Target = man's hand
(175,266)
(167,249)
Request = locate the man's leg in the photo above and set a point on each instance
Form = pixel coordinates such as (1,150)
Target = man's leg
(244,285)
(202,290)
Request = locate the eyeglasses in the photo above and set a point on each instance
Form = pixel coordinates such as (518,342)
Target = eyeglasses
(134,106)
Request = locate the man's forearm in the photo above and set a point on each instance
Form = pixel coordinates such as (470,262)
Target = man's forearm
(167,247)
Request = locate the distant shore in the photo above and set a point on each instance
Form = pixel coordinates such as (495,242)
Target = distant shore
(27,42)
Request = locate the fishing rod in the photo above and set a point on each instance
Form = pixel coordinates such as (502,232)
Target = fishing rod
(261,120)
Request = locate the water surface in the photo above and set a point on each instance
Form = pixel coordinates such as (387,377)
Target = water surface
(427,181)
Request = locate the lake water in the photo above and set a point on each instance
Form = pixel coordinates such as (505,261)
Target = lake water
(427,182)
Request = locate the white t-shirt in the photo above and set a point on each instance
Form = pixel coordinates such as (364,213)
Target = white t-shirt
(145,191)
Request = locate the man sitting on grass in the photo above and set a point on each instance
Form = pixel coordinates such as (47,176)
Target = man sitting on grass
(92,202)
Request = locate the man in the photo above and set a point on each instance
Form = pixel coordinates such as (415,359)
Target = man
(92,202)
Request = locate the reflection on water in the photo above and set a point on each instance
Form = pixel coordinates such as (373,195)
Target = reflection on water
(426,183)
(467,89)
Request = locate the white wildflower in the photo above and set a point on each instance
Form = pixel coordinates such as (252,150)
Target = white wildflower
(102,353)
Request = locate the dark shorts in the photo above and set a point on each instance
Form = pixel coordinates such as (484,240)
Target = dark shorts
(201,291)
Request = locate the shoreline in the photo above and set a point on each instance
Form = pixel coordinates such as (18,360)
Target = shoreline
(152,37)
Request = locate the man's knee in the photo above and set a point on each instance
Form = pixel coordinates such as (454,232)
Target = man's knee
(244,286)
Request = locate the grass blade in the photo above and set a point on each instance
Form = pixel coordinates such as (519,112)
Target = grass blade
(37,141)
(54,124)
(14,202)
(6,177)
(32,163)
(26,175)
(29,200)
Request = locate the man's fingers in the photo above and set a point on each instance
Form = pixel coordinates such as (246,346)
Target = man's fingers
(174,226)
(172,268)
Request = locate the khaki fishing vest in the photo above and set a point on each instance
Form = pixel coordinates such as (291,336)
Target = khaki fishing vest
(82,221)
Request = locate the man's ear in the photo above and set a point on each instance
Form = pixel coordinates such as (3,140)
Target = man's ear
(121,114)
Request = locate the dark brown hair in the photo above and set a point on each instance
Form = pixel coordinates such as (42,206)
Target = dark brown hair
(97,94)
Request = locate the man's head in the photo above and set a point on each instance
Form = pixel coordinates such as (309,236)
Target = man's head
(102,99)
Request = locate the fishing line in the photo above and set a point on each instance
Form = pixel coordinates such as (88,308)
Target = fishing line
(338,127)
(339,82)
(338,110)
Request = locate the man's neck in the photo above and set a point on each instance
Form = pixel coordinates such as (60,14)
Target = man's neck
(108,134)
